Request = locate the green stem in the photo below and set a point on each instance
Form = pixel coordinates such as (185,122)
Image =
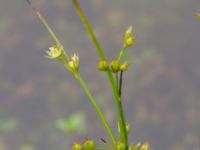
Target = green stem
(120,83)
(122,121)
(88,27)
(96,107)
(117,79)
(121,54)
(121,118)
(53,35)
(110,76)
(122,137)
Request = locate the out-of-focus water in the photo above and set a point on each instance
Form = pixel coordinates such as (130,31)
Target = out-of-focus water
(161,90)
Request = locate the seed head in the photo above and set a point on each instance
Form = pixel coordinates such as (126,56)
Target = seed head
(115,66)
(77,146)
(103,65)
(89,145)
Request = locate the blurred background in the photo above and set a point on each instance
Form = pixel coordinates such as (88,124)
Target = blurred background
(42,106)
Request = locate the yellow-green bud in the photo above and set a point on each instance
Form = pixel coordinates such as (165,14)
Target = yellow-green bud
(129,38)
(129,32)
(198,16)
(130,147)
(129,42)
(121,146)
(77,146)
(115,66)
(145,146)
(73,64)
(124,67)
(136,147)
(89,145)
(103,65)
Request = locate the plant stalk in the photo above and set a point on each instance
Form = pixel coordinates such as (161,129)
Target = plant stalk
(96,107)
(121,117)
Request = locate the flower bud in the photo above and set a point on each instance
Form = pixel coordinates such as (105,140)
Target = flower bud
(77,146)
(121,146)
(124,67)
(198,16)
(54,52)
(129,38)
(103,65)
(145,146)
(136,147)
(129,32)
(89,145)
(129,42)
(73,64)
(115,66)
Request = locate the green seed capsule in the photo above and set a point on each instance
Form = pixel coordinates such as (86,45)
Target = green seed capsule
(103,65)
(89,145)
(124,67)
(129,42)
(77,146)
(115,66)
(121,146)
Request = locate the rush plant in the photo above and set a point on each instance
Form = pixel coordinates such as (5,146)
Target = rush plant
(114,70)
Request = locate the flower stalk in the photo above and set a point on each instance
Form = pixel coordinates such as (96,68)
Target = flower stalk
(121,118)
(96,107)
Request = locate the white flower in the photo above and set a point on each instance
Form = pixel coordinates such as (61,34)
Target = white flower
(54,52)
(75,58)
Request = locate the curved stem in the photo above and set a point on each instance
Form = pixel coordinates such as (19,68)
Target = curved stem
(121,54)
(90,31)
(45,23)
(96,107)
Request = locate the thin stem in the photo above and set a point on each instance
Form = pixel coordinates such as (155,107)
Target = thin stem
(119,123)
(53,35)
(121,118)
(120,84)
(121,54)
(121,109)
(117,79)
(110,76)
(96,107)
(90,31)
